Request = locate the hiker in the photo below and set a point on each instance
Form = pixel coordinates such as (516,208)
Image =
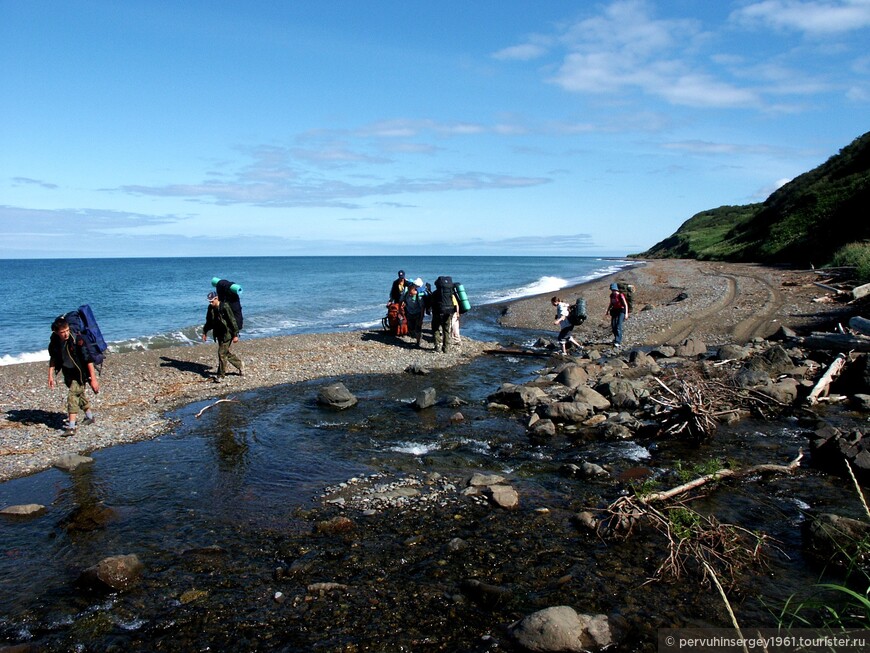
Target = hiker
(617,308)
(442,311)
(220,320)
(397,292)
(415,309)
(564,324)
(66,354)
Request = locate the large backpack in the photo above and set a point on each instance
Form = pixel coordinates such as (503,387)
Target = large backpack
(228,292)
(577,312)
(444,294)
(627,289)
(84,329)
(395,321)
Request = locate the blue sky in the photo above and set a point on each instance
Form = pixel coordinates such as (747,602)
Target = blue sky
(151,128)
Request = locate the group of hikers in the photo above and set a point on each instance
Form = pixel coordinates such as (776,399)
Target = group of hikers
(76,347)
(411,301)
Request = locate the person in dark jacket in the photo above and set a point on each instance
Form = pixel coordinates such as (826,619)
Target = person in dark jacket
(68,355)
(443,308)
(220,320)
(415,308)
(399,288)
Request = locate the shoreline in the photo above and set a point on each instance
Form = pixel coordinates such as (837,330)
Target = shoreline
(725,302)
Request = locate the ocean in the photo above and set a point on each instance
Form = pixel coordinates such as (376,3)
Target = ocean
(149,303)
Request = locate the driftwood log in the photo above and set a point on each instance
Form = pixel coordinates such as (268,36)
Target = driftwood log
(861,291)
(822,385)
(765,468)
(833,342)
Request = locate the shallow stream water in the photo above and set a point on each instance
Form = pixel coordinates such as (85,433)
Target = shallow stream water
(224,514)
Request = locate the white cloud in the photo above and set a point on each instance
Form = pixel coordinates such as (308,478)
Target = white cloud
(816,18)
(524,52)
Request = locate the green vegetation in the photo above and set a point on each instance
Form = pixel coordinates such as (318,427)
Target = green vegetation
(855,255)
(806,222)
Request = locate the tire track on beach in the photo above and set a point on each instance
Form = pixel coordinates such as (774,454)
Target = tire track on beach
(752,293)
(682,329)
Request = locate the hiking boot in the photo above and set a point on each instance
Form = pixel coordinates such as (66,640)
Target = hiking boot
(217,379)
(87,421)
(241,369)
(69,431)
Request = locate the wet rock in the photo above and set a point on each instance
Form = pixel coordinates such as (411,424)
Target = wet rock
(456,545)
(335,526)
(336,395)
(837,540)
(543,428)
(113,574)
(691,347)
(482,480)
(419,370)
(23,510)
(485,594)
(586,520)
(613,387)
(830,448)
(643,361)
(561,628)
(425,399)
(518,396)
(71,461)
(617,432)
(595,420)
(585,394)
(323,588)
(564,411)
(624,400)
(504,496)
(87,518)
(732,353)
(457,417)
(572,376)
(584,470)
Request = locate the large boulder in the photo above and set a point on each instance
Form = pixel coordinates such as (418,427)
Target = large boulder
(830,447)
(774,361)
(425,399)
(586,395)
(572,376)
(561,628)
(336,395)
(837,540)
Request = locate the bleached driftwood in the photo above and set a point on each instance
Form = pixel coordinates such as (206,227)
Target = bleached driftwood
(824,382)
(765,468)
(827,287)
(219,401)
(861,291)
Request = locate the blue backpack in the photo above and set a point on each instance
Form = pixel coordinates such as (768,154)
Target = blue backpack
(84,328)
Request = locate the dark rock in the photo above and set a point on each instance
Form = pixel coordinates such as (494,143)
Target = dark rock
(750,378)
(643,361)
(732,352)
(417,369)
(336,395)
(837,540)
(485,594)
(774,361)
(663,351)
(617,432)
(784,391)
(335,526)
(113,574)
(860,402)
(624,401)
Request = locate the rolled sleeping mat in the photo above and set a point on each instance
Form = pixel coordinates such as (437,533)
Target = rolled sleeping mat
(464,304)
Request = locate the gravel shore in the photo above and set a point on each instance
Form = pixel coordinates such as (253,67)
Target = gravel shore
(723,303)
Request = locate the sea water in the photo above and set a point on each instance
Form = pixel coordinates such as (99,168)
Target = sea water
(145,303)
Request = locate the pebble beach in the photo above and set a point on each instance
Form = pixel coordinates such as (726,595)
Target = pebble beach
(718,302)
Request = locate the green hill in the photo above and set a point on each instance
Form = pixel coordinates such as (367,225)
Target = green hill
(807,221)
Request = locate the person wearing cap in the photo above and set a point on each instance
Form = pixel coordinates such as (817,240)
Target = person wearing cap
(617,308)
(415,308)
(219,319)
(400,286)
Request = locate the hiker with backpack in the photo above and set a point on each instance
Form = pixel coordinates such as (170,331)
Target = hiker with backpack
(415,307)
(617,308)
(443,308)
(67,353)
(221,321)
(563,321)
